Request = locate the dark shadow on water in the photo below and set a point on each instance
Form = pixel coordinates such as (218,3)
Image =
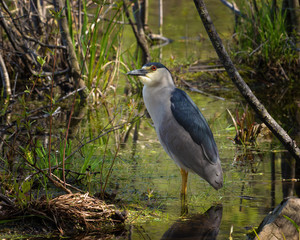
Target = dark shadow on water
(290,171)
(199,226)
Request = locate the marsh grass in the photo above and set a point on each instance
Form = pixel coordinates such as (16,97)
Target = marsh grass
(38,151)
(262,40)
(246,128)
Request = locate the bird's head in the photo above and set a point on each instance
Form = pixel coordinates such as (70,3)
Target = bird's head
(152,74)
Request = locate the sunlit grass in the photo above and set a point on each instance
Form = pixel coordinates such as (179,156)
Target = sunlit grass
(262,36)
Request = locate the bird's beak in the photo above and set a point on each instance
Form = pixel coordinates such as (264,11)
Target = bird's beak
(138,72)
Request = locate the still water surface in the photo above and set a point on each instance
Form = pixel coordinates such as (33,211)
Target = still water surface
(253,179)
(148,181)
(253,185)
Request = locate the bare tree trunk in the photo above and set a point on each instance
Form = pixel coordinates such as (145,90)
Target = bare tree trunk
(138,30)
(260,110)
(5,78)
(144,12)
(67,41)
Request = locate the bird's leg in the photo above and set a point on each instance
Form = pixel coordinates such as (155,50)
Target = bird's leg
(184,177)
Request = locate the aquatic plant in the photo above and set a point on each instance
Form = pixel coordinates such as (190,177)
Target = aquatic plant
(246,129)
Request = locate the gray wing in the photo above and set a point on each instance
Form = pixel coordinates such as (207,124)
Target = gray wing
(191,119)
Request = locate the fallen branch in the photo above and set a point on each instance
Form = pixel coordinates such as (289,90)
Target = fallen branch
(244,89)
(193,89)
(44,44)
(207,68)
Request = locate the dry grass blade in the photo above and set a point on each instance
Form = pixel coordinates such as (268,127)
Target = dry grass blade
(234,122)
(73,212)
(70,214)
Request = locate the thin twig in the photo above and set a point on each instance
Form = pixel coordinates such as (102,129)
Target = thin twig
(15,83)
(43,44)
(66,184)
(99,136)
(51,106)
(259,47)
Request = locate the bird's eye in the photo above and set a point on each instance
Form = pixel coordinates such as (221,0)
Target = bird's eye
(153,68)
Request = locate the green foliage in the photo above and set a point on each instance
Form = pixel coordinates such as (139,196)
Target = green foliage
(35,154)
(70,22)
(255,233)
(98,44)
(262,35)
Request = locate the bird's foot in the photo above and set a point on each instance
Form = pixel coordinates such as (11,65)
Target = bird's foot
(184,205)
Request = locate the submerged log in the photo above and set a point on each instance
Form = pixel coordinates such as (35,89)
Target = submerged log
(282,222)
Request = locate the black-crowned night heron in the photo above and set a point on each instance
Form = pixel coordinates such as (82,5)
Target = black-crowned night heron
(180,126)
